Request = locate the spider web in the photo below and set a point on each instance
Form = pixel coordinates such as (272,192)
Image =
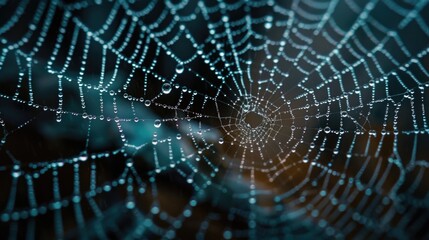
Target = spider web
(214,119)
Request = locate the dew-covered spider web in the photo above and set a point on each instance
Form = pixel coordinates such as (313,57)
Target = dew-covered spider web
(214,119)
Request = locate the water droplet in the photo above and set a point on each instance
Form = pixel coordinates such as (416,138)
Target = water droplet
(130,205)
(129,163)
(16,174)
(147,103)
(221,141)
(83,157)
(327,129)
(166,88)
(157,123)
(269,22)
(179,68)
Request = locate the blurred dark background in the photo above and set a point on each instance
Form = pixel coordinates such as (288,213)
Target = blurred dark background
(339,153)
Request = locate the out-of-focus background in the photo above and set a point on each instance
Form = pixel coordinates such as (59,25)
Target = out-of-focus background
(214,119)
